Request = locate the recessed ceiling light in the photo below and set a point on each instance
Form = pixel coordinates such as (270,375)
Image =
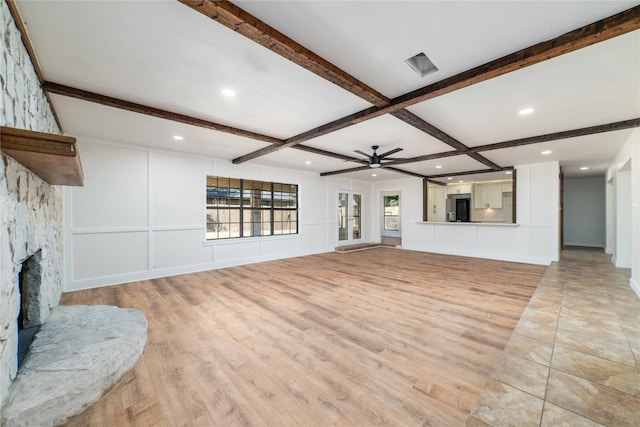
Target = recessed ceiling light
(449,178)
(421,64)
(228,92)
(461,181)
(178,137)
(438,166)
(307,162)
(526,111)
(374,174)
(508,172)
(584,168)
(545,152)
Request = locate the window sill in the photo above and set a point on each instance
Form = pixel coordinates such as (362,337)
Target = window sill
(236,240)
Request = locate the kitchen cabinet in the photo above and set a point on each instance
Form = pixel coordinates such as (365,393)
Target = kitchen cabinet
(487,196)
(459,189)
(435,198)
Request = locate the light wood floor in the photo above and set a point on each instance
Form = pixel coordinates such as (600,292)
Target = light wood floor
(375,337)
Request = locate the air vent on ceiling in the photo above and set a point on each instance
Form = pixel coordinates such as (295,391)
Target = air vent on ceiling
(421,64)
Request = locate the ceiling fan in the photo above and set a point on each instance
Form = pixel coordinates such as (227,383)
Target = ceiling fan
(375,158)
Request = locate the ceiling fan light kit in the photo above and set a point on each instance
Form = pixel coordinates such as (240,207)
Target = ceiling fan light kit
(375,158)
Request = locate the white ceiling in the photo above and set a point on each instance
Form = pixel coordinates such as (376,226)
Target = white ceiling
(165,55)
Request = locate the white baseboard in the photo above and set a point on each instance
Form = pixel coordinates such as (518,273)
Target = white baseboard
(483,255)
(97,282)
(635,286)
(622,264)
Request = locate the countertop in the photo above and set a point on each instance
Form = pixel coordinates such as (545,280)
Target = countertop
(498,224)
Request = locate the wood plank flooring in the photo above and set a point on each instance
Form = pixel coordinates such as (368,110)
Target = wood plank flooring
(376,337)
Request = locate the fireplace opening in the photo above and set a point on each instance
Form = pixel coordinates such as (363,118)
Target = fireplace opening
(29,281)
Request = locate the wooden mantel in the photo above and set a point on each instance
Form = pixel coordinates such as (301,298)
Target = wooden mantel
(54,158)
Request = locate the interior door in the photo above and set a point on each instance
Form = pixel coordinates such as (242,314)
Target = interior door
(349,218)
(391,214)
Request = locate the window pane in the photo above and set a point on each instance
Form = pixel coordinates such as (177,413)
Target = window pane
(234,192)
(254,221)
(283,221)
(222,223)
(391,223)
(234,230)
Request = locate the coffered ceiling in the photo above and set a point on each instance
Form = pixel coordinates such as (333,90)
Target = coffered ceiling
(143,72)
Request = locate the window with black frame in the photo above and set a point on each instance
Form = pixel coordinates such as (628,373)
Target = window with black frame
(249,208)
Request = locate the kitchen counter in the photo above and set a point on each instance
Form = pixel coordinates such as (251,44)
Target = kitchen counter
(499,224)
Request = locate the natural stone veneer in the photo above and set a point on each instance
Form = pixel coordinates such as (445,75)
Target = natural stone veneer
(79,354)
(31,209)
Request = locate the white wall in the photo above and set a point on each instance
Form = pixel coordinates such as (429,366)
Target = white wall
(625,171)
(584,211)
(622,255)
(610,216)
(141,215)
(534,239)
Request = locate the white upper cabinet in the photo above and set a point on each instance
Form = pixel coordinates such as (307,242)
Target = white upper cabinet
(487,196)
(459,189)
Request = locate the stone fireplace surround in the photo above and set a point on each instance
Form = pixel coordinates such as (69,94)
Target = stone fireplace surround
(31,221)
(30,209)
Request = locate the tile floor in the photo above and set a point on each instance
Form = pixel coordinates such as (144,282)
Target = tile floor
(574,357)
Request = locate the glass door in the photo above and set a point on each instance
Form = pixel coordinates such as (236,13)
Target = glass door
(391,214)
(349,218)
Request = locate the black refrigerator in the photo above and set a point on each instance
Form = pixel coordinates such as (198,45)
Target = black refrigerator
(462,210)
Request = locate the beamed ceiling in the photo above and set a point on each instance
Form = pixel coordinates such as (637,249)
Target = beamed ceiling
(316,80)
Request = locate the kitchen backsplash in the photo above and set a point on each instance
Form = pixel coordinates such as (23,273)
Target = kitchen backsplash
(495,215)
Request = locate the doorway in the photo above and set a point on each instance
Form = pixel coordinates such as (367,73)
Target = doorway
(390,231)
(349,218)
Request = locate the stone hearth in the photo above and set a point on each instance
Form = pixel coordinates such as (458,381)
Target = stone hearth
(79,354)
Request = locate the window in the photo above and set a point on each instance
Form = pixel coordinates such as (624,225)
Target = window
(391,213)
(248,208)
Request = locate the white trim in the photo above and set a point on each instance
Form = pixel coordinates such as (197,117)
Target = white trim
(96,282)
(105,230)
(623,264)
(151,262)
(240,240)
(350,240)
(67,214)
(635,286)
(179,227)
(488,256)
(135,229)
(383,232)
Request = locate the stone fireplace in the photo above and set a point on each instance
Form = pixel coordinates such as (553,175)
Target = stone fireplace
(29,315)
(30,209)
(31,259)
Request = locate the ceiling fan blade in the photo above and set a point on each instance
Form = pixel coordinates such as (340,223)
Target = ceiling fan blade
(388,153)
(361,152)
(395,158)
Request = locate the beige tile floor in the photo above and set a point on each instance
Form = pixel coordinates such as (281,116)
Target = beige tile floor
(574,357)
